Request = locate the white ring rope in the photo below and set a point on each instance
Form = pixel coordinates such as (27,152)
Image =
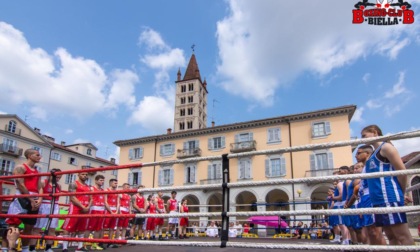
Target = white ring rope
(353,211)
(328,247)
(284,181)
(412,188)
(400,135)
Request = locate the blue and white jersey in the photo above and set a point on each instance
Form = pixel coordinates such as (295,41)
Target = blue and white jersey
(385,189)
(344,193)
(338,203)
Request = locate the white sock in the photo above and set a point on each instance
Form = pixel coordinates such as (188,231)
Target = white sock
(4,249)
(25,249)
(80,244)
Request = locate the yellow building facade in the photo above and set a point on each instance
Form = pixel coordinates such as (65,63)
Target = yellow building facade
(321,126)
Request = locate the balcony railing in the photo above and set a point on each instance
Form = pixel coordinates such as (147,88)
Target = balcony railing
(210,181)
(187,153)
(243,146)
(10,150)
(320,172)
(17,131)
(5,173)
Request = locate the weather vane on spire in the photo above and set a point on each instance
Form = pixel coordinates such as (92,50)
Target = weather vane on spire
(192,47)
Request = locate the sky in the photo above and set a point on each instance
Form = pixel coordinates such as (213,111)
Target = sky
(104,70)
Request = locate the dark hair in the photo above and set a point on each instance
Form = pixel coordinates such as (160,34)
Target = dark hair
(368,148)
(149,197)
(55,170)
(373,129)
(173,192)
(344,167)
(98,177)
(126,184)
(112,180)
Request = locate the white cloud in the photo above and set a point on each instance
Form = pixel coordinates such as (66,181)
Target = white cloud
(152,39)
(398,88)
(122,89)
(161,59)
(3,113)
(153,113)
(357,117)
(262,46)
(406,146)
(70,85)
(366,77)
(374,104)
(80,140)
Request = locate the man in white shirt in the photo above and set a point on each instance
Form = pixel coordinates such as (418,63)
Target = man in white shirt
(239,228)
(212,230)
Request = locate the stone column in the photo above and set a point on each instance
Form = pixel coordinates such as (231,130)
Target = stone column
(203,220)
(262,231)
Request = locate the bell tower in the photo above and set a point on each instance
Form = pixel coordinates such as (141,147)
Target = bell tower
(190,99)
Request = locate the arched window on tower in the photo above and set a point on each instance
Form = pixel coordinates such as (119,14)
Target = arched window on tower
(416,192)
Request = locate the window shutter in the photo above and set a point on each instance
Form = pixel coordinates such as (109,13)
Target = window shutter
(223,141)
(141,152)
(278,134)
(160,177)
(251,136)
(11,166)
(210,144)
(330,160)
(192,175)
(219,171)
(171,176)
(248,169)
(162,150)
(172,149)
(139,178)
(313,129)
(130,178)
(197,144)
(131,154)
(237,138)
(312,161)
(327,128)
(267,167)
(241,169)
(185,145)
(209,167)
(282,166)
(186,174)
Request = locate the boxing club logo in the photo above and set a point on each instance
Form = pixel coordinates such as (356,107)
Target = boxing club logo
(383,12)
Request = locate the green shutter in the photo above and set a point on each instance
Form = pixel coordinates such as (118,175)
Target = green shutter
(267,168)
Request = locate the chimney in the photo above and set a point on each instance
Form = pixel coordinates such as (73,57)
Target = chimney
(37,130)
(63,143)
(112,160)
(212,123)
(169,131)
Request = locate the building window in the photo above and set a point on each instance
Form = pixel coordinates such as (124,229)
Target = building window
(190,171)
(6,167)
(181,125)
(321,129)
(216,143)
(12,126)
(166,176)
(275,166)
(167,149)
(244,168)
(190,99)
(182,112)
(38,149)
(134,178)
(190,147)
(214,170)
(72,161)
(56,156)
(273,135)
(135,153)
(244,137)
(69,178)
(189,125)
(6,191)
(182,100)
(183,88)
(321,160)
(89,152)
(190,111)
(191,87)
(114,172)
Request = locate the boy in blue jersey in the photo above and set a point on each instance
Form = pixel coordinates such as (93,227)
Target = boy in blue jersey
(387,191)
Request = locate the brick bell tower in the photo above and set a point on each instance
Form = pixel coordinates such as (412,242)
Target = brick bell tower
(190,99)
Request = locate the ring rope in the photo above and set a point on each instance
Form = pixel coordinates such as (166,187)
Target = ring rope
(329,247)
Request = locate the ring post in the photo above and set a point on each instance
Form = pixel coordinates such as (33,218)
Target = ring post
(225,205)
(54,186)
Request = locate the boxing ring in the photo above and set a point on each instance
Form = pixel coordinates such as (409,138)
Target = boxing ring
(225,214)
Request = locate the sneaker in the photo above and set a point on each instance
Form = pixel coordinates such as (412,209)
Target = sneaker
(82,249)
(167,237)
(96,247)
(49,250)
(113,246)
(160,238)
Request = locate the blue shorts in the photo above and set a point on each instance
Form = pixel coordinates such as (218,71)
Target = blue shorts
(391,218)
(345,220)
(368,220)
(355,220)
(333,220)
